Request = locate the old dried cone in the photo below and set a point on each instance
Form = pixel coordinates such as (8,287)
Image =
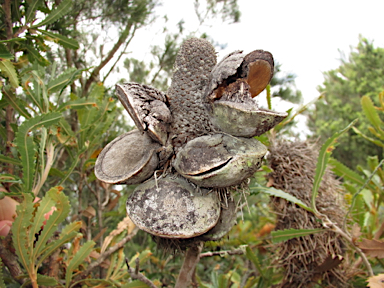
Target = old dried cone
(190,141)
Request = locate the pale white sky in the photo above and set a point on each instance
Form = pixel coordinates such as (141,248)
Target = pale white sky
(304,36)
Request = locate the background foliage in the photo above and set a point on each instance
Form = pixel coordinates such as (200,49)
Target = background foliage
(57,115)
(358,75)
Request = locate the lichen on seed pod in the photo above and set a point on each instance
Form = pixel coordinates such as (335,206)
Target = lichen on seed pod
(219,160)
(129,159)
(172,208)
(189,133)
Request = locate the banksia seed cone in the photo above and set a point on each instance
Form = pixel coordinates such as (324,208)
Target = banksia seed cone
(304,258)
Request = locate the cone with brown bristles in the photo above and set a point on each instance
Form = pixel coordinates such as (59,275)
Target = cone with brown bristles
(317,258)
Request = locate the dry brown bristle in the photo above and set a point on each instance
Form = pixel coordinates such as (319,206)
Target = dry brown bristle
(294,165)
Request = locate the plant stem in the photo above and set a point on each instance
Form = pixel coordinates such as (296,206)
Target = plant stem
(192,257)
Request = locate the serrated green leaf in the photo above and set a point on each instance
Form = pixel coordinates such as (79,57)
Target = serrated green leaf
(4,53)
(322,161)
(97,91)
(46,280)
(252,257)
(87,116)
(19,230)
(58,216)
(10,160)
(45,206)
(77,259)
(343,171)
(31,11)
(59,83)
(135,284)
(67,234)
(9,178)
(34,56)
(27,147)
(371,112)
(18,104)
(279,193)
(9,71)
(56,14)
(62,40)
(251,282)
(119,264)
(284,235)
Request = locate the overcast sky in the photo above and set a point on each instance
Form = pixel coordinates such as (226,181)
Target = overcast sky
(304,36)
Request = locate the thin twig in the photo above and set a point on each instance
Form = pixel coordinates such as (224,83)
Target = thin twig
(121,54)
(329,224)
(136,275)
(111,53)
(107,253)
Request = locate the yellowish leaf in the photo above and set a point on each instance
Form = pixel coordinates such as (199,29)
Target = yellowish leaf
(125,224)
(376,281)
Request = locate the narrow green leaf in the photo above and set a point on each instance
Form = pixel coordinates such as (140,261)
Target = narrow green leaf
(9,71)
(77,259)
(252,257)
(34,95)
(44,93)
(279,193)
(31,12)
(322,161)
(27,147)
(77,104)
(269,97)
(371,112)
(4,53)
(67,234)
(12,40)
(57,217)
(20,229)
(34,56)
(56,14)
(284,235)
(46,280)
(374,141)
(62,40)
(10,160)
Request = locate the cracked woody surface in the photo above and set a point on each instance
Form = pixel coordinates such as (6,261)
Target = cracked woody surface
(198,137)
